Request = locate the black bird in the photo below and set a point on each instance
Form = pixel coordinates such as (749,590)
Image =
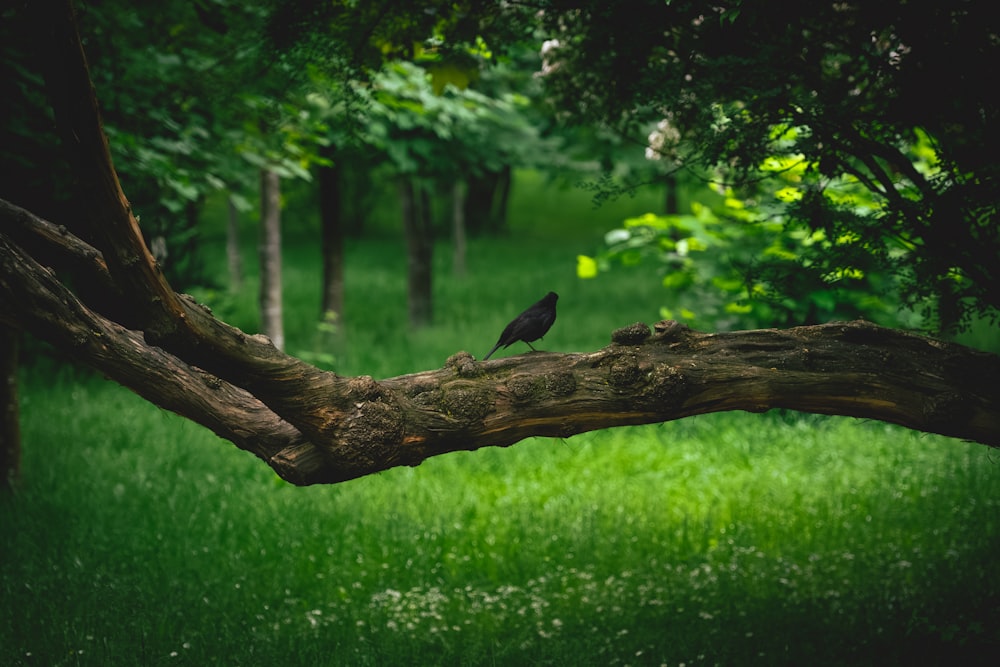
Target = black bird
(530,325)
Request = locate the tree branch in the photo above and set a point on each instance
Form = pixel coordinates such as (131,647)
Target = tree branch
(37,302)
(108,221)
(362,426)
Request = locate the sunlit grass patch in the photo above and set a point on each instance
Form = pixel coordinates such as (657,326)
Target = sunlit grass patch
(728,538)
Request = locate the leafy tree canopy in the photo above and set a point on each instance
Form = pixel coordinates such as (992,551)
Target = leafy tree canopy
(888,96)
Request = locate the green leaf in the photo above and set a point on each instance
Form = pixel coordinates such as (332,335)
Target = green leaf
(586,267)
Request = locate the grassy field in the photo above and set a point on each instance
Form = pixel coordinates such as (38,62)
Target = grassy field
(138,538)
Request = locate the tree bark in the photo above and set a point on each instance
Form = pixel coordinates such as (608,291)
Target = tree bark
(415,205)
(10,423)
(271,321)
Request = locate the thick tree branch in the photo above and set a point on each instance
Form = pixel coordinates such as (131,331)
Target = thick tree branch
(108,222)
(365,426)
(38,302)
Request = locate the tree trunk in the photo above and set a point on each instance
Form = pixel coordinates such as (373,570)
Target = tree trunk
(271,324)
(501,199)
(479,202)
(671,205)
(458,244)
(234,256)
(331,222)
(415,205)
(10,425)
(486,201)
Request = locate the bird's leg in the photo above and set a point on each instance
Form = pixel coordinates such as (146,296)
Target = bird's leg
(531,346)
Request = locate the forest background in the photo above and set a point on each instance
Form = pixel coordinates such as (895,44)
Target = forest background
(136,537)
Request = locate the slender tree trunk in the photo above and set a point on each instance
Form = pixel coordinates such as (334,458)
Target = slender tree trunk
(331,221)
(233,255)
(502,197)
(486,200)
(458,228)
(479,203)
(270,258)
(415,205)
(10,425)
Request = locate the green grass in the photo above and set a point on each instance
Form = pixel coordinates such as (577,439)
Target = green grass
(138,538)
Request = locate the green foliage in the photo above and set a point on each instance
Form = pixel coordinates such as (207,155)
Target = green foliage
(743,264)
(444,134)
(170,79)
(864,93)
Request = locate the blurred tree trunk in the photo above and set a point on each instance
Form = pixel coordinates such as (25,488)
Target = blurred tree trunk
(271,324)
(671,204)
(505,180)
(10,423)
(332,229)
(486,201)
(415,206)
(458,244)
(233,255)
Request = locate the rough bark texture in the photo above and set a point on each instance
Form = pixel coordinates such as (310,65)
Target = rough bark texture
(317,427)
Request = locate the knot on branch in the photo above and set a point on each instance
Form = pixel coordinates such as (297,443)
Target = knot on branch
(624,370)
(670,330)
(530,387)
(634,334)
(364,388)
(463,363)
(370,431)
(374,432)
(466,401)
(262,340)
(666,384)
(211,381)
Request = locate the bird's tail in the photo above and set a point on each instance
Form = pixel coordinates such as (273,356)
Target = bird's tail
(491,351)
